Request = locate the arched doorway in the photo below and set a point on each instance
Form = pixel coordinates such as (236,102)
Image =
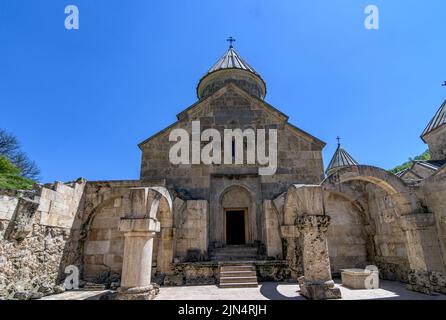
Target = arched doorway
(236,204)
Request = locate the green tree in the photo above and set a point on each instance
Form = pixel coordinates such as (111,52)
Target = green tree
(10,149)
(424,156)
(10,177)
(6,167)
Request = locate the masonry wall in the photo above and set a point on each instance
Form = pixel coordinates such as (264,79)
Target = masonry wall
(35,229)
(299,160)
(346,235)
(191,229)
(389,240)
(437,143)
(183,235)
(299,157)
(104,247)
(434,189)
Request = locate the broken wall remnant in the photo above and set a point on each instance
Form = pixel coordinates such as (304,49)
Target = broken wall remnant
(35,232)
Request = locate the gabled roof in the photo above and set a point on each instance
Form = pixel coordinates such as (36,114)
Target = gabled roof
(269,108)
(407,171)
(241,91)
(341,158)
(430,164)
(437,121)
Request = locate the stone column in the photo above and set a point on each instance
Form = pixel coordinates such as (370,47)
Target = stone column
(139,228)
(316,284)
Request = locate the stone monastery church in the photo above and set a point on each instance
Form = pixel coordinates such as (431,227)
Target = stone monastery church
(197,223)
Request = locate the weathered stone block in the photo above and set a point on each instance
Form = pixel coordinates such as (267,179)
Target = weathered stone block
(97,247)
(360,279)
(318,290)
(139,225)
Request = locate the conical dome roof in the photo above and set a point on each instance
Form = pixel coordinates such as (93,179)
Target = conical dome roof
(231,60)
(231,67)
(437,121)
(341,158)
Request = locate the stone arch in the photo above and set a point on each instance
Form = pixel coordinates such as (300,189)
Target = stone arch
(395,187)
(239,197)
(348,242)
(164,248)
(89,218)
(159,206)
(164,202)
(403,238)
(349,194)
(103,243)
(235,196)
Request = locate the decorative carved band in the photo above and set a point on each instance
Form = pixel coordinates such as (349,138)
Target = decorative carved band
(319,222)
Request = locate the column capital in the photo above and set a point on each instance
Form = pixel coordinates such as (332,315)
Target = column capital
(142,225)
(307,221)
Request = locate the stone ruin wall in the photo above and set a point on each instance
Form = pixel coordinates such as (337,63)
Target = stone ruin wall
(437,143)
(346,235)
(183,236)
(389,239)
(42,235)
(434,279)
(434,189)
(35,232)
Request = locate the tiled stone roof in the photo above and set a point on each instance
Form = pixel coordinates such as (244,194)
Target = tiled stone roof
(341,158)
(231,60)
(437,121)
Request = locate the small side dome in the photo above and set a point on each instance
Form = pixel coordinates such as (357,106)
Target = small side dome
(340,159)
(231,68)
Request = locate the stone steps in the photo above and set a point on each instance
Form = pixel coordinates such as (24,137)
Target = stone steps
(239,279)
(232,257)
(242,266)
(239,275)
(238,285)
(231,253)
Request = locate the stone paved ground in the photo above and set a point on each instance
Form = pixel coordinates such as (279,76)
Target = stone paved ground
(266,291)
(288,291)
(76,295)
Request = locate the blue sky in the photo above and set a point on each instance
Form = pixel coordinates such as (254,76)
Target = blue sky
(80,101)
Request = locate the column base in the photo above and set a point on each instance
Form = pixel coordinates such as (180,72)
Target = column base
(138,293)
(318,290)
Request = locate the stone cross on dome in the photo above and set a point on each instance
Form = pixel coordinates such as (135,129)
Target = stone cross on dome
(339,140)
(231,40)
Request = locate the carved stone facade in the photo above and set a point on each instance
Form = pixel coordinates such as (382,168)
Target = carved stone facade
(176,223)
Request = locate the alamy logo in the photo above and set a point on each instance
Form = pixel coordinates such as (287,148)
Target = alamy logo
(72,280)
(371,22)
(72,20)
(233,147)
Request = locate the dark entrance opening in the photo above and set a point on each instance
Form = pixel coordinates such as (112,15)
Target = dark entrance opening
(235,227)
